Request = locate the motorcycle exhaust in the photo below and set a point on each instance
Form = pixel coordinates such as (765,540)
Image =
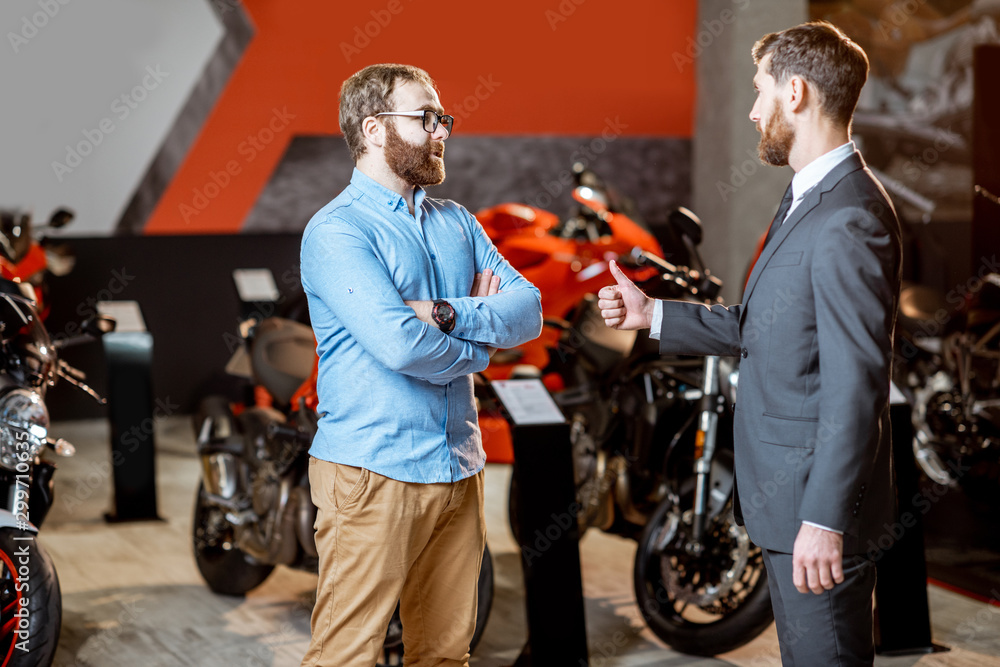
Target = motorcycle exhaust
(220,474)
(277,542)
(929,461)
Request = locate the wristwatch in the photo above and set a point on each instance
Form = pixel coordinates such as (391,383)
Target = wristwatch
(443,315)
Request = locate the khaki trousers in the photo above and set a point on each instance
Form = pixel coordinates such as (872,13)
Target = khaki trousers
(381,541)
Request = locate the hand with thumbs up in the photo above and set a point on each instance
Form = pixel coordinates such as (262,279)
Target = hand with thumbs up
(623,305)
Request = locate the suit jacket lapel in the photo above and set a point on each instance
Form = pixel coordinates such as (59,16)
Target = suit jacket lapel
(809,202)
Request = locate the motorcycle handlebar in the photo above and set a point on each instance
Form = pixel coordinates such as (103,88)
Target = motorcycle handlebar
(701,285)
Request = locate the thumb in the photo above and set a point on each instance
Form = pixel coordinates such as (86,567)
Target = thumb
(620,277)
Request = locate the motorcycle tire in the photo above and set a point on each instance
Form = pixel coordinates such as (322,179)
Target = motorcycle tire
(392,649)
(699,636)
(229,571)
(28,581)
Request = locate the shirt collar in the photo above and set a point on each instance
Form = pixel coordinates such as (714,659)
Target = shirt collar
(816,171)
(383,195)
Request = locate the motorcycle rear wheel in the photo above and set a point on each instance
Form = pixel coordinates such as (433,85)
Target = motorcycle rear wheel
(225,567)
(688,601)
(27,566)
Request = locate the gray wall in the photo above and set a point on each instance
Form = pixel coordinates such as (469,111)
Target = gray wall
(733,193)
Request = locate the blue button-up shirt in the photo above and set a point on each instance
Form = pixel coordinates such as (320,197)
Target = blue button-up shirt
(395,394)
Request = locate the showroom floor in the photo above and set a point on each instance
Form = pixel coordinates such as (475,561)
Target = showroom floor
(132,595)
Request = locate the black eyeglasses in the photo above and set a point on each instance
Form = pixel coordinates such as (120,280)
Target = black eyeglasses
(431,119)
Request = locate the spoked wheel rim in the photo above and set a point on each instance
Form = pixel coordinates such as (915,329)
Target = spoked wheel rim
(698,589)
(10,599)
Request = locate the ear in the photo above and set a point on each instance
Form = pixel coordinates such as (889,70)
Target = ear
(795,94)
(373,131)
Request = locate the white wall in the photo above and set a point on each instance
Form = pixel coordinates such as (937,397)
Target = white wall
(64,67)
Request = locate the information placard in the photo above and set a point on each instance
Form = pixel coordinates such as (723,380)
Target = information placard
(528,402)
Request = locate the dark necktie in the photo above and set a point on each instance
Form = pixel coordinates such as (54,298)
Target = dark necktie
(786,203)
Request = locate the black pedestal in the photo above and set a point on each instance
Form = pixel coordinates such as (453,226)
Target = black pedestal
(130,409)
(550,554)
(904,622)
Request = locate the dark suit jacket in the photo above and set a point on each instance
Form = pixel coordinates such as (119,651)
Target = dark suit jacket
(815,335)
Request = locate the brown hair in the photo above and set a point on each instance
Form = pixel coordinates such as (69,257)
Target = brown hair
(825,57)
(367,93)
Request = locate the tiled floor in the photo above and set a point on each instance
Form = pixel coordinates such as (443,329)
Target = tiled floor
(133,597)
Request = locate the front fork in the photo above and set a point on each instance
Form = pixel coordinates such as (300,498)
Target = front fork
(704,450)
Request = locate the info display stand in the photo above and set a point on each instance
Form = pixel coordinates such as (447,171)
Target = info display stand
(548,528)
(904,622)
(129,354)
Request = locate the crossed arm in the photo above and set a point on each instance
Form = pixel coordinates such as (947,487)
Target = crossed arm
(484,284)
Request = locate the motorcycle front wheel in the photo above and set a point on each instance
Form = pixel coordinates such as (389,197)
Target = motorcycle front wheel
(224,566)
(30,601)
(701,603)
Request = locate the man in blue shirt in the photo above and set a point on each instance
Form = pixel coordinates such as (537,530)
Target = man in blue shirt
(408,297)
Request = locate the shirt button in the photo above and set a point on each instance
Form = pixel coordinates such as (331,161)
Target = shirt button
(744,353)
(433,256)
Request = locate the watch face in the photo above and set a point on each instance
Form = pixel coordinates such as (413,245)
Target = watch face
(444,315)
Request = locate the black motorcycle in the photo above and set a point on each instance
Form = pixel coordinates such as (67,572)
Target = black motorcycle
(947,364)
(253,509)
(653,460)
(30,601)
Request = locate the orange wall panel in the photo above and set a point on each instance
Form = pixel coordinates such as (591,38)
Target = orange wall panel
(519,67)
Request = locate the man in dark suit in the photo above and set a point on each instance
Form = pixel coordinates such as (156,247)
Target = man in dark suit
(813,460)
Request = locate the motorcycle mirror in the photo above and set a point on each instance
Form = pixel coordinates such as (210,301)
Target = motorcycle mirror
(61,217)
(593,199)
(687,223)
(99,325)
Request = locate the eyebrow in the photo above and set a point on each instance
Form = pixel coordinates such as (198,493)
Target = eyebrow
(431,107)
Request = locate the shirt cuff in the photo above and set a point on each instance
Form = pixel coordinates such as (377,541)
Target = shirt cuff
(657,324)
(816,525)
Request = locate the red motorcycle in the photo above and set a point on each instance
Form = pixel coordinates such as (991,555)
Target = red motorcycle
(564,258)
(26,256)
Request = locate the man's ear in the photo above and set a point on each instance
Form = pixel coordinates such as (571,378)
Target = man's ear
(373,131)
(796,92)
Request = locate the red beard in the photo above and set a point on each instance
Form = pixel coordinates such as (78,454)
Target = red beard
(776,139)
(415,164)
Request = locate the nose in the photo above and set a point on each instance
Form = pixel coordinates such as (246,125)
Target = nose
(440,133)
(755,111)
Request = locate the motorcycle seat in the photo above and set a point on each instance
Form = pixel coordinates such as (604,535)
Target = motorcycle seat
(282,356)
(924,309)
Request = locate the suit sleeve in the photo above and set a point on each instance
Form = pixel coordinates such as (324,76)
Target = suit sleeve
(852,276)
(691,328)
(340,268)
(502,320)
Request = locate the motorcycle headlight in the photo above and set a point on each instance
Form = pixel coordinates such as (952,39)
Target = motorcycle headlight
(24,427)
